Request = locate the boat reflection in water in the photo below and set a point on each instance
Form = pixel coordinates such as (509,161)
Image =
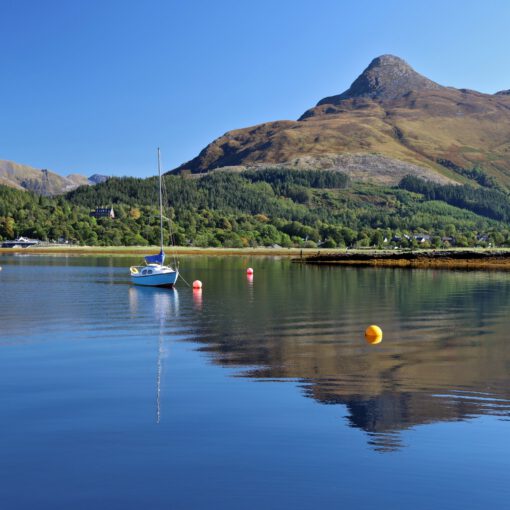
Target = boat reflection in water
(152,303)
(160,306)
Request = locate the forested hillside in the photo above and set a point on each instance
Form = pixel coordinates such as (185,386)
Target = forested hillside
(263,208)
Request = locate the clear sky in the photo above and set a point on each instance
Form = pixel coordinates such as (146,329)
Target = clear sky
(93,86)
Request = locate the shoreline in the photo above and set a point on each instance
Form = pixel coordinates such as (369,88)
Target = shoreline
(460,258)
(453,258)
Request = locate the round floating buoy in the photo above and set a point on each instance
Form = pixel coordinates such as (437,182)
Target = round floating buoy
(197,284)
(373,335)
(249,271)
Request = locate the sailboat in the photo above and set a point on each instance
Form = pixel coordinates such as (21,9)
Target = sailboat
(154,273)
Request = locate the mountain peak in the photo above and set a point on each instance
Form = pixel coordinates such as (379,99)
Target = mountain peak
(388,60)
(98,178)
(387,77)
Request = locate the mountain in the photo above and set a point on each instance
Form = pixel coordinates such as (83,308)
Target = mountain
(387,77)
(98,178)
(391,117)
(43,182)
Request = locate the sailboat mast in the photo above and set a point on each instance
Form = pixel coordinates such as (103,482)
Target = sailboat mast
(160,201)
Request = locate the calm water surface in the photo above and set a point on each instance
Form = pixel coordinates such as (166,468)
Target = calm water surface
(252,394)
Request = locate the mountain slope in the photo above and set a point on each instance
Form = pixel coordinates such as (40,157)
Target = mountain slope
(42,182)
(389,111)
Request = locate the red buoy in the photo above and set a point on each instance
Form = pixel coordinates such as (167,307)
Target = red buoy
(197,284)
(249,271)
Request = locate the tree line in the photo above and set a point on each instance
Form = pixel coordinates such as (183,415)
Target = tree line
(262,208)
(490,203)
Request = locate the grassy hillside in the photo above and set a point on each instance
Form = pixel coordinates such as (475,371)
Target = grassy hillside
(389,112)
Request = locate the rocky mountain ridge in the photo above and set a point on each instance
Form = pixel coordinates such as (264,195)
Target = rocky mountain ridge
(387,77)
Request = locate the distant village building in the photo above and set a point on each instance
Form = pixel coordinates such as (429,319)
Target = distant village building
(103,212)
(451,241)
(422,238)
(20,242)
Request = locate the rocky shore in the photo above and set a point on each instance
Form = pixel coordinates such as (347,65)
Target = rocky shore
(448,259)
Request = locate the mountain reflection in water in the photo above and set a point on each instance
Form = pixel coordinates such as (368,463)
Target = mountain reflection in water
(444,356)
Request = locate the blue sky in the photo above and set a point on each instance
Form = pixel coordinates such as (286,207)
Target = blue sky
(95,86)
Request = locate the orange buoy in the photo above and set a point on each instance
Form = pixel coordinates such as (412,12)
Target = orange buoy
(249,271)
(373,335)
(197,284)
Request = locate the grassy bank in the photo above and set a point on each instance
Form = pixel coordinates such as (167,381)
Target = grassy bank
(145,250)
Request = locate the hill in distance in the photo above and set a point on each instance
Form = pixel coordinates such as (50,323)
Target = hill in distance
(391,122)
(42,182)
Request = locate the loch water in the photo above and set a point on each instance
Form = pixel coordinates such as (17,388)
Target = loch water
(255,392)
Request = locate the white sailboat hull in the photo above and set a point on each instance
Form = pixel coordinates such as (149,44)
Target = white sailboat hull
(149,276)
